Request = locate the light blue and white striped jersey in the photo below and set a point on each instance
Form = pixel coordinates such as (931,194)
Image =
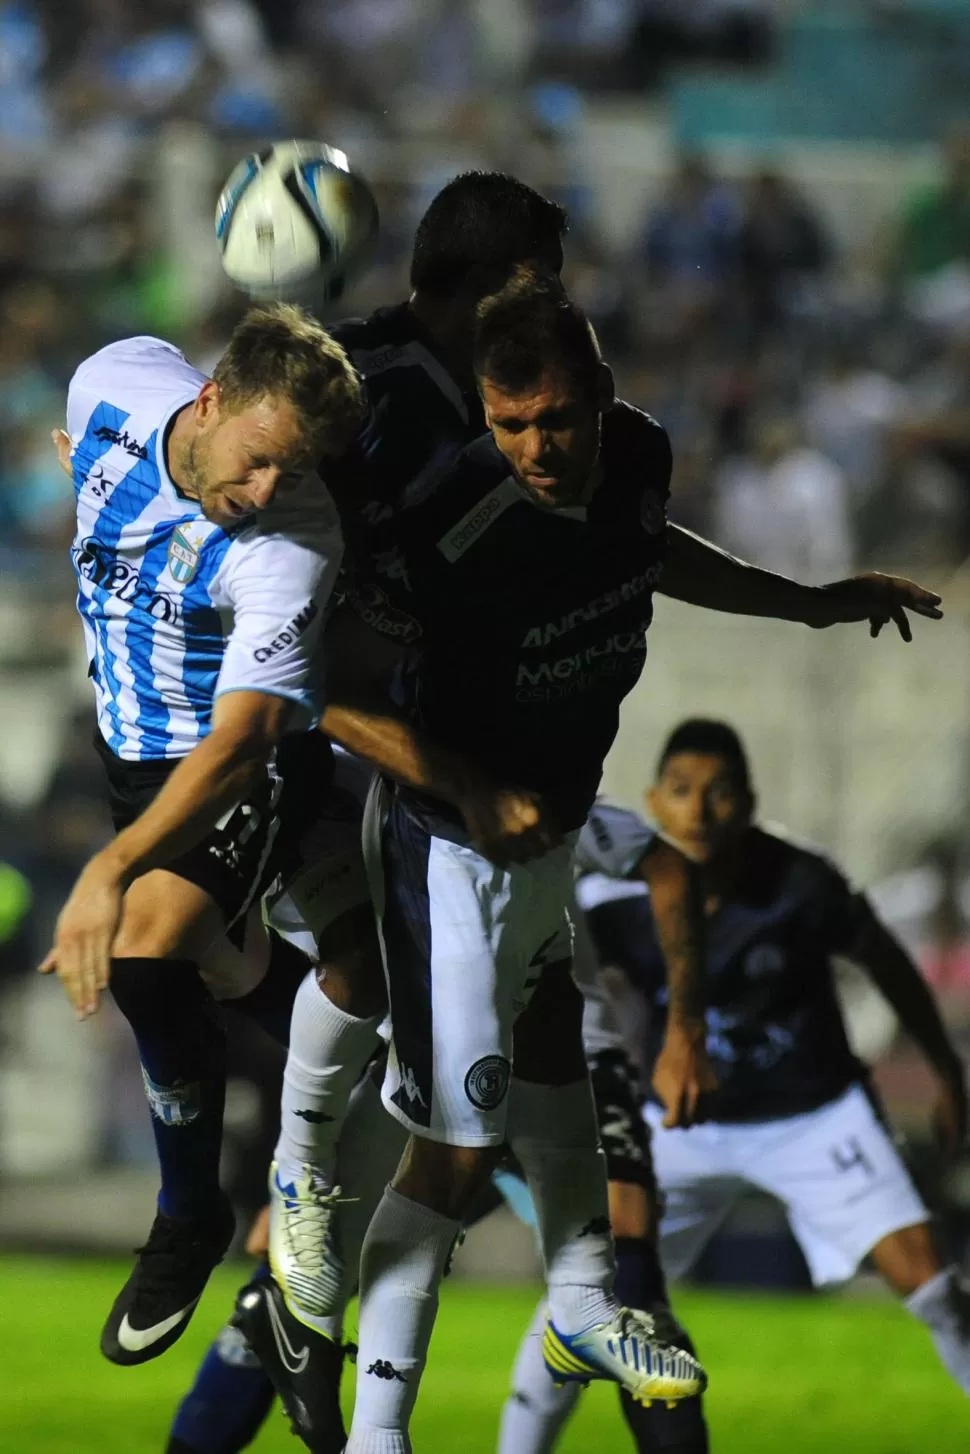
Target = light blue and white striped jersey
(175,609)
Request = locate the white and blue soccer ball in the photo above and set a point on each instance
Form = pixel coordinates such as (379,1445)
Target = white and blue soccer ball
(295,222)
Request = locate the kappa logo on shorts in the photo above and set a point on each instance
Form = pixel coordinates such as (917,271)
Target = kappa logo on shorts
(410,1087)
(487,1083)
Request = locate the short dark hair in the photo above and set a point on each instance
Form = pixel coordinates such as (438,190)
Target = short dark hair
(530,328)
(712,739)
(477,229)
(283,352)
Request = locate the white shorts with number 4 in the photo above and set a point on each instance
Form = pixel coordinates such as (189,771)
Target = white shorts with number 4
(841,1179)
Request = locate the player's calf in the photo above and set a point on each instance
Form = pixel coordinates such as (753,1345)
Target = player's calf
(936,1294)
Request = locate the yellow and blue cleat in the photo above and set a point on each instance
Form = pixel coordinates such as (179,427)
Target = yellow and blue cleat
(632,1351)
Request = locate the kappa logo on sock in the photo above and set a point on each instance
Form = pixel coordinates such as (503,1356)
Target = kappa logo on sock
(383,1369)
(318,1118)
(178,1104)
(597,1227)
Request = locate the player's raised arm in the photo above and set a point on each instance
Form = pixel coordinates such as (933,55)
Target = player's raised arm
(891,969)
(702,574)
(245,728)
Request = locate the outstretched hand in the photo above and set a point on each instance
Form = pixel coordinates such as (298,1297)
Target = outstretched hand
(683,1074)
(875,598)
(84,936)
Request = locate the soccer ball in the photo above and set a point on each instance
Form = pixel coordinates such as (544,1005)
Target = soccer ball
(295,222)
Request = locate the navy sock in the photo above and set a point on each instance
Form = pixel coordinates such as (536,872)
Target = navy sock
(640,1281)
(270,1004)
(659,1430)
(228,1402)
(182,1051)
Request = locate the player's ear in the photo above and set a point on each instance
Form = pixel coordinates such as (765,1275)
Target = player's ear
(605,387)
(650,802)
(207,403)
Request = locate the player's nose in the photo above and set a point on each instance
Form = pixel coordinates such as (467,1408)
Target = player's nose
(263,485)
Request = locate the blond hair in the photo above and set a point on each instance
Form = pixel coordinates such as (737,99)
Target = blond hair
(282,352)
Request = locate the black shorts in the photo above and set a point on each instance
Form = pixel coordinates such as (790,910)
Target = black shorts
(234,863)
(623,1131)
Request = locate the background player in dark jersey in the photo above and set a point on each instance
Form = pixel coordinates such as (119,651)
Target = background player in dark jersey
(792,1114)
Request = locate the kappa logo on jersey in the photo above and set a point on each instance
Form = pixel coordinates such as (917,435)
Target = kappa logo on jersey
(477,520)
(410,1087)
(487,1083)
(183,558)
(291,632)
(123,439)
(391,563)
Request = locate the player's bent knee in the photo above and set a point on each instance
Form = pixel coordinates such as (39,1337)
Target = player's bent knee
(548,1036)
(351,973)
(907,1258)
(445,1178)
(166,917)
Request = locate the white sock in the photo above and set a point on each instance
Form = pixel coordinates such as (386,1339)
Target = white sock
(402,1263)
(943,1304)
(368,1154)
(552,1131)
(328,1051)
(536,1410)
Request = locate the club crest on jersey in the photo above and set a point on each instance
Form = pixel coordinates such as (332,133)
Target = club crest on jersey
(653,514)
(183,558)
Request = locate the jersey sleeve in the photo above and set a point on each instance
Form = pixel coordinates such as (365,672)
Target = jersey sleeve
(842,908)
(612,841)
(278,589)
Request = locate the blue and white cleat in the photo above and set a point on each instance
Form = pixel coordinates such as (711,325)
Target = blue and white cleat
(304,1253)
(632,1350)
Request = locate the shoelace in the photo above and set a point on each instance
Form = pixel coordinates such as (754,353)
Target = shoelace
(307,1222)
(667,1330)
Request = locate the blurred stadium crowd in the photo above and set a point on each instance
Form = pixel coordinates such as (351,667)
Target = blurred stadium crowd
(818,399)
(831,386)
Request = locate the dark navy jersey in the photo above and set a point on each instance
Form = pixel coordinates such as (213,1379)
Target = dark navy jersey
(775,1031)
(419,419)
(533,621)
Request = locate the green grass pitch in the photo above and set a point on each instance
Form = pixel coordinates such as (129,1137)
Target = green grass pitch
(796,1376)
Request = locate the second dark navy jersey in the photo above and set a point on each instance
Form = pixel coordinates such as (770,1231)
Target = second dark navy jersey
(775,1032)
(419,419)
(532,621)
